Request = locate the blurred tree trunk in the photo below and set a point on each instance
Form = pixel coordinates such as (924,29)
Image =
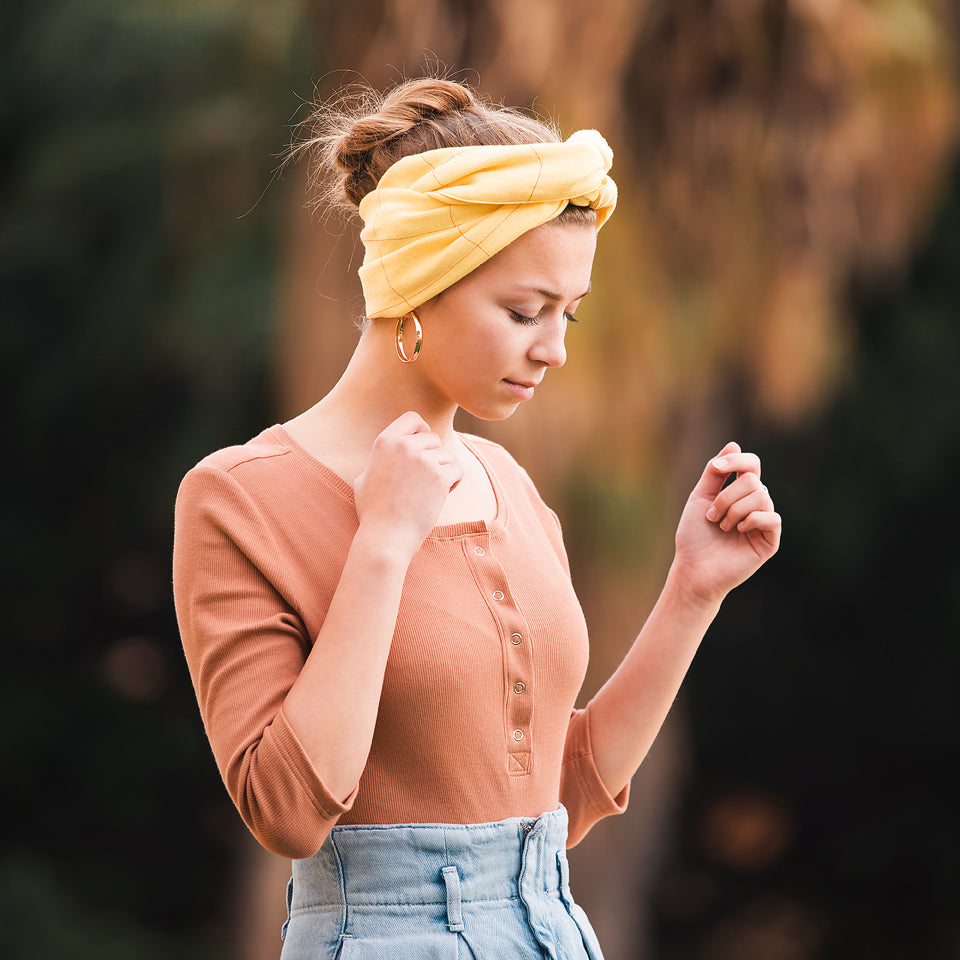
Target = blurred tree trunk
(765,152)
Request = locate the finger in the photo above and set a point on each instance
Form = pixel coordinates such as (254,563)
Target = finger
(758,501)
(766,522)
(410,435)
(746,485)
(407,423)
(433,454)
(453,474)
(422,441)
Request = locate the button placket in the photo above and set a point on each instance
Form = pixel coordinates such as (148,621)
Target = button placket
(519,663)
(517,652)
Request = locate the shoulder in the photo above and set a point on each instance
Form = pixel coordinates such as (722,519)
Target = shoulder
(262,468)
(266,446)
(263,461)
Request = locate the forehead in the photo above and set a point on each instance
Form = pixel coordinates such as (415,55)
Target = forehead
(557,256)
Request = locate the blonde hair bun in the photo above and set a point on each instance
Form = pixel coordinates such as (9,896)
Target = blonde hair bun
(354,139)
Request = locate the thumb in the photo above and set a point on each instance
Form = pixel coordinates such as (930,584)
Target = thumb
(715,473)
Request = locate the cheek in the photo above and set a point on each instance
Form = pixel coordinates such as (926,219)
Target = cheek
(490,352)
(480,343)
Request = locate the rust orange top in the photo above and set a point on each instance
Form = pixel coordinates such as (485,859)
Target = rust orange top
(476,720)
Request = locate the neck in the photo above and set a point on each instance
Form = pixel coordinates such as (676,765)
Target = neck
(377,387)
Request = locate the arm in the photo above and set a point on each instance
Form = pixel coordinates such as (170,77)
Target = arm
(291,726)
(724,535)
(332,706)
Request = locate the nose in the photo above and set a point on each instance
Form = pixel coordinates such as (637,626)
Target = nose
(549,348)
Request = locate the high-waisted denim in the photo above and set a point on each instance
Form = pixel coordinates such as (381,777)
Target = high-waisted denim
(488,891)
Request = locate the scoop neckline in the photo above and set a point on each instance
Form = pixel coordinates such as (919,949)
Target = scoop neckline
(444,531)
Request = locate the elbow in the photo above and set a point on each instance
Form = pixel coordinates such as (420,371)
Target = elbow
(289,834)
(282,800)
(290,845)
(286,817)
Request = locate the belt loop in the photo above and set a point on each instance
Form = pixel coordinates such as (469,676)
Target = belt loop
(454,914)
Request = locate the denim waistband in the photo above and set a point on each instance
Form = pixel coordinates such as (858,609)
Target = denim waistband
(419,891)
(432,863)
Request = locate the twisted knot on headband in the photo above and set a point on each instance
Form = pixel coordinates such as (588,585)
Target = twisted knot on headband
(437,215)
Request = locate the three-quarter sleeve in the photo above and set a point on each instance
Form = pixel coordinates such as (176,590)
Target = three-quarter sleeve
(245,645)
(582,791)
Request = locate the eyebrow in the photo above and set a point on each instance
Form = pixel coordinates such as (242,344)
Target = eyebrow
(555,297)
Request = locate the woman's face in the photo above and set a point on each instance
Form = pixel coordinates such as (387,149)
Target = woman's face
(489,339)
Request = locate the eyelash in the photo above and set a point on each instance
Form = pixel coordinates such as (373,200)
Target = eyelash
(520,318)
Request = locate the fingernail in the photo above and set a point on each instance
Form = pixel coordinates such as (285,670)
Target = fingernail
(712,514)
(720,463)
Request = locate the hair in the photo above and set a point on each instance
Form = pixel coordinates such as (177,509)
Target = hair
(353,139)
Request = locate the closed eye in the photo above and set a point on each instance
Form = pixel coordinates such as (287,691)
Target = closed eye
(520,318)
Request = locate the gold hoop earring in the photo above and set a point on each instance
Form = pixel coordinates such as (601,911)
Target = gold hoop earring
(401,353)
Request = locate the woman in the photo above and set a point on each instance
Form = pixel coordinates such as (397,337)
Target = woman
(377,610)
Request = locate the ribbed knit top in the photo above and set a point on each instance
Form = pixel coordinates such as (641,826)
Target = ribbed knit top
(476,720)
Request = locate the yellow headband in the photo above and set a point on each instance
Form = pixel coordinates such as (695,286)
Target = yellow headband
(435,216)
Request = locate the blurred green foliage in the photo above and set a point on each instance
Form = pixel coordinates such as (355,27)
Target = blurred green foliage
(137,266)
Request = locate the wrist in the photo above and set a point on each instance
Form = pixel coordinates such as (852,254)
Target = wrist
(383,548)
(683,590)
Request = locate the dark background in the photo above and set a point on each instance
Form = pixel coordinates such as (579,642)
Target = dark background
(141,243)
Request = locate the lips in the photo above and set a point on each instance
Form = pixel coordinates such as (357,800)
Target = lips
(522,389)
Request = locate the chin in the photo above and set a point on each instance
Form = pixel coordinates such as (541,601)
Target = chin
(493,413)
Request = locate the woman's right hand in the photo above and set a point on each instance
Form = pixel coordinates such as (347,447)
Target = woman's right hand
(406,483)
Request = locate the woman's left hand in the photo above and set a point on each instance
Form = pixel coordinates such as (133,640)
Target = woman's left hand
(726,532)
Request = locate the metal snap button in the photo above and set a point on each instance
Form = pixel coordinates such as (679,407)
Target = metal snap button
(518,687)
(517,734)
(515,638)
(497,594)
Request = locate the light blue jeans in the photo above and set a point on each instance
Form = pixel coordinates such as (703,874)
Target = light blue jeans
(488,891)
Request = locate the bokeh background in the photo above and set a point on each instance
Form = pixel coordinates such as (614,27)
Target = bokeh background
(782,270)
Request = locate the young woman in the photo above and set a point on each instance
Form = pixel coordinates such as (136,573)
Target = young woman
(377,610)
